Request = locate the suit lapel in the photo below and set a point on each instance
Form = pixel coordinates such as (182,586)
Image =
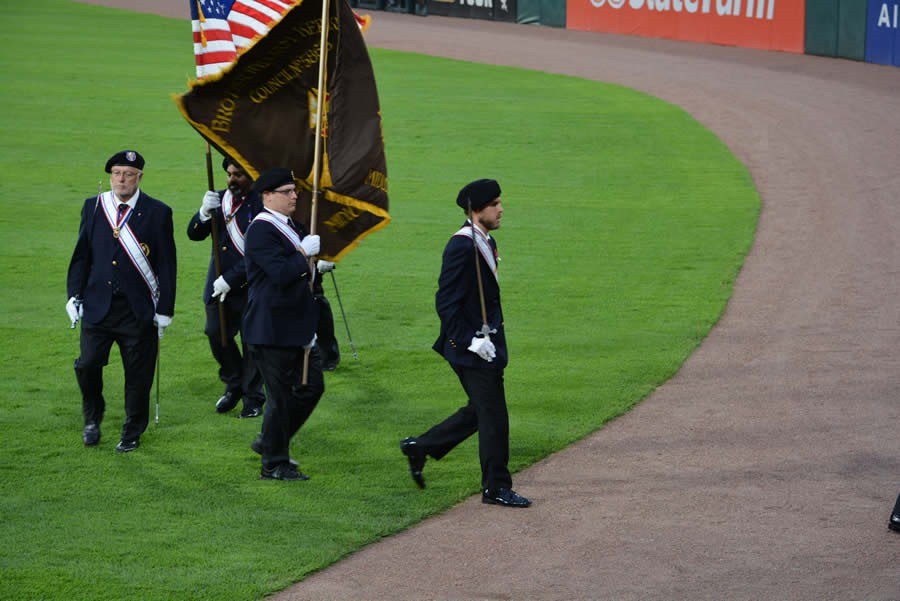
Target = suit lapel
(137,217)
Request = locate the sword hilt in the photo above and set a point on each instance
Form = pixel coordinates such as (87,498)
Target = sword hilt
(486,330)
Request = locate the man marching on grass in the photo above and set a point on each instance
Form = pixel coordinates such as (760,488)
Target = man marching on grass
(473,341)
(233,209)
(280,321)
(121,284)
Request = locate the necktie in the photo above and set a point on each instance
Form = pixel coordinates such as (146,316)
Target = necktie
(115,281)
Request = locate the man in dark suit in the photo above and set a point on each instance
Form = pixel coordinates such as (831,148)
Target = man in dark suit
(233,210)
(473,341)
(280,321)
(121,284)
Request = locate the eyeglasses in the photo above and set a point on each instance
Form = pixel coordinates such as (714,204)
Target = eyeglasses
(287,191)
(125,174)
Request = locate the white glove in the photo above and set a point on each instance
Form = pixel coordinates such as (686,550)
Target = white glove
(311,344)
(220,288)
(483,347)
(162,322)
(324,266)
(310,245)
(75,310)
(211,202)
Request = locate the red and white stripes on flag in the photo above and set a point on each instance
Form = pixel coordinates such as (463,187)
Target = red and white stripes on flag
(224,28)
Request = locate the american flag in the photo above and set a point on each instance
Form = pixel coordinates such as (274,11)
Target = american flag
(224,28)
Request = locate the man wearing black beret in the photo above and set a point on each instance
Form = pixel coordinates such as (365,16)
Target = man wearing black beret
(473,341)
(233,209)
(121,285)
(280,321)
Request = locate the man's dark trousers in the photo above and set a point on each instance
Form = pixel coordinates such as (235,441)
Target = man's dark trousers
(138,345)
(486,414)
(288,402)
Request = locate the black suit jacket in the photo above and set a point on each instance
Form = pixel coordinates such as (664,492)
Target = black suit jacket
(230,260)
(99,261)
(459,307)
(281,309)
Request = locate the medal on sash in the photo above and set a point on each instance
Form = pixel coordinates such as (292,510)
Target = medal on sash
(230,207)
(121,220)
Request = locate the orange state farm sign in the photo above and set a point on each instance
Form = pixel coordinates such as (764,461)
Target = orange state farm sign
(763,24)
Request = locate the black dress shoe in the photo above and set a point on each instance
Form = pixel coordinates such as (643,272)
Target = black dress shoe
(410,448)
(250,412)
(227,402)
(284,471)
(91,434)
(126,446)
(505,497)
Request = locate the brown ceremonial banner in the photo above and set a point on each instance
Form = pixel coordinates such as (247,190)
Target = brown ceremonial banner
(261,111)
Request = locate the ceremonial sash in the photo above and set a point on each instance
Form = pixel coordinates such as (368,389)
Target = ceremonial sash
(286,230)
(484,247)
(231,224)
(132,246)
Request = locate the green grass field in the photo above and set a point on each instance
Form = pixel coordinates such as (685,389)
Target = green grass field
(626,224)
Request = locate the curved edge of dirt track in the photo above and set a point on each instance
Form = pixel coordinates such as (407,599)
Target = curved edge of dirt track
(767,467)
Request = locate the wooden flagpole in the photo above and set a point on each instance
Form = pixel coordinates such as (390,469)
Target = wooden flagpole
(214,230)
(317,156)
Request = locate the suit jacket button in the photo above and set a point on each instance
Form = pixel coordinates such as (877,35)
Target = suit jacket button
(114,263)
(224,248)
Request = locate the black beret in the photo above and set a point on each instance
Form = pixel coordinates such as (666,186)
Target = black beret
(125,158)
(273,178)
(478,193)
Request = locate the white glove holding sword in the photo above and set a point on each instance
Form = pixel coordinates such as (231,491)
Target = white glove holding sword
(483,347)
(75,310)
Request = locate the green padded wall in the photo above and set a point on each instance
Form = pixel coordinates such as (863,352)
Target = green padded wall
(852,29)
(542,12)
(836,28)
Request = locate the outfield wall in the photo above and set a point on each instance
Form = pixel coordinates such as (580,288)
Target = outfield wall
(855,29)
(765,24)
(883,32)
(864,30)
